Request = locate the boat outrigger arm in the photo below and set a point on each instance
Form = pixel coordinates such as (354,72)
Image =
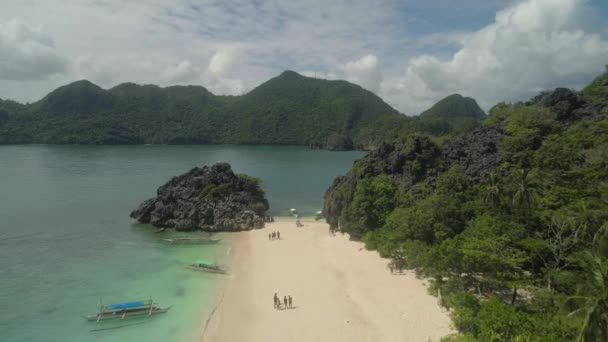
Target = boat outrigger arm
(127,310)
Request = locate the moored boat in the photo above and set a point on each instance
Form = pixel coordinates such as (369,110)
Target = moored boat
(140,308)
(193,240)
(207,266)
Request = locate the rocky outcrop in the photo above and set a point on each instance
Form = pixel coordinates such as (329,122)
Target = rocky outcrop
(418,160)
(476,152)
(407,163)
(208,198)
(570,106)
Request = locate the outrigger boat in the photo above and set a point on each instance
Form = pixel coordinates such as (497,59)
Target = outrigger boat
(140,308)
(196,240)
(207,266)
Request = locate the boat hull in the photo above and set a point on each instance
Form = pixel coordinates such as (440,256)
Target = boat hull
(125,315)
(193,241)
(205,269)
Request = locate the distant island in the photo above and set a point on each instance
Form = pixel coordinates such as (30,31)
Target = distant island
(209,198)
(289,109)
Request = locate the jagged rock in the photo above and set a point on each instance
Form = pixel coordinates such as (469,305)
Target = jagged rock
(415,161)
(551,98)
(407,164)
(563,100)
(208,198)
(476,151)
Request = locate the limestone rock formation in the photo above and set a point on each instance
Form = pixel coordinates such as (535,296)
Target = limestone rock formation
(207,198)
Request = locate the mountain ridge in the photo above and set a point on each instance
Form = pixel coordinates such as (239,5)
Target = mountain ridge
(287,109)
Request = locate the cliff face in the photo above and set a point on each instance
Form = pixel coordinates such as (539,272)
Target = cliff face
(208,198)
(420,160)
(416,160)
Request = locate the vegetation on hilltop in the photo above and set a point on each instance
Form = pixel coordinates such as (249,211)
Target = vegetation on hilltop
(510,220)
(454,113)
(288,109)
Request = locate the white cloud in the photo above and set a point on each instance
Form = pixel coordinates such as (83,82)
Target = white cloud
(27,53)
(364,72)
(533,45)
(221,65)
(181,72)
(409,52)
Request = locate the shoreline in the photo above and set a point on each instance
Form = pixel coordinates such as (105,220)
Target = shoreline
(340,291)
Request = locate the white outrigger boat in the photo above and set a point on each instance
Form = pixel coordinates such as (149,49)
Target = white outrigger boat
(125,310)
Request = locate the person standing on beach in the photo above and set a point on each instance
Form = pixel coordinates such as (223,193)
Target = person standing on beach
(289,299)
(273,235)
(276,300)
(285,301)
(279,235)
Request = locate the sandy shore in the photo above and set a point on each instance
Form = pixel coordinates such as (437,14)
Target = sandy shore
(341,292)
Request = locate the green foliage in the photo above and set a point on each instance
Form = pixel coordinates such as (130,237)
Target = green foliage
(529,240)
(373,201)
(465,306)
(216,191)
(598,89)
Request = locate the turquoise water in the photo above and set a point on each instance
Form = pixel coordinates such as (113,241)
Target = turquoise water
(67,243)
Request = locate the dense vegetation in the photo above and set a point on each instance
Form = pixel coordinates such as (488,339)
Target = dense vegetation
(288,109)
(510,220)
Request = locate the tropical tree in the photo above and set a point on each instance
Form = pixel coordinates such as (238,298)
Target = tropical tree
(493,191)
(595,323)
(525,190)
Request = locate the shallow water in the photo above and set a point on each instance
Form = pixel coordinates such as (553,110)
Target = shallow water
(67,243)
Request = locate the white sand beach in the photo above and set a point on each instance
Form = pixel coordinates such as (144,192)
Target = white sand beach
(340,291)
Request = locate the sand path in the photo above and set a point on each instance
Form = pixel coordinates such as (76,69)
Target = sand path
(341,292)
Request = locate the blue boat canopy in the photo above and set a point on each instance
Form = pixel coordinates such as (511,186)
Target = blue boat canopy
(127,305)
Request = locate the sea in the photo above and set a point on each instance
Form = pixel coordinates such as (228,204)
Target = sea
(68,246)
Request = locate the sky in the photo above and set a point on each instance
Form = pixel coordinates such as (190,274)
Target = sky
(411,53)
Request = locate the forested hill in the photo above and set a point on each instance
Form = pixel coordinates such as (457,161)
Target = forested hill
(288,109)
(510,220)
(454,113)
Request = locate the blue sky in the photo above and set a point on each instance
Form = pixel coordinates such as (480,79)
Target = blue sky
(410,52)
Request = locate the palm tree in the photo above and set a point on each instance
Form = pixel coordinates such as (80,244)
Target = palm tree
(523,197)
(493,191)
(595,323)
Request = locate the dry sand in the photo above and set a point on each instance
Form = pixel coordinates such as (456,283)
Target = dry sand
(341,292)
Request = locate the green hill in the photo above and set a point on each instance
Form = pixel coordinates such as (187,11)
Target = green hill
(454,113)
(287,109)
(509,221)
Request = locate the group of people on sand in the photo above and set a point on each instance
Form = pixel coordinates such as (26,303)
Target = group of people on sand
(286,302)
(395,267)
(274,236)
